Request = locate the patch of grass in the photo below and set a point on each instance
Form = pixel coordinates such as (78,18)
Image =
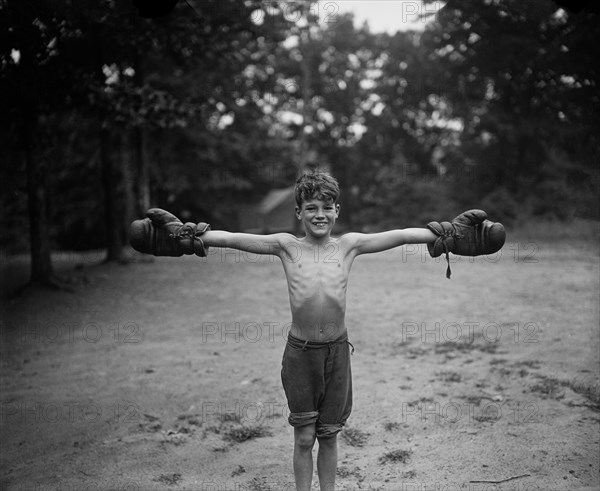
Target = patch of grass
(211,428)
(169,479)
(259,484)
(240,434)
(391,426)
(230,417)
(449,376)
(502,371)
(415,352)
(590,392)
(533,364)
(473,400)
(548,387)
(150,427)
(355,437)
(551,387)
(489,347)
(422,400)
(395,456)
(487,418)
(343,471)
(192,419)
(451,347)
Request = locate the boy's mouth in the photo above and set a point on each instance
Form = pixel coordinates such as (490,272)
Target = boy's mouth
(320,224)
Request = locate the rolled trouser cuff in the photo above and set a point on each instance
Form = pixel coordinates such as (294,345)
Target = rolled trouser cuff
(327,430)
(303,419)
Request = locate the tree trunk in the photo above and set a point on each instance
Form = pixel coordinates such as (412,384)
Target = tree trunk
(139,143)
(139,147)
(114,242)
(128,183)
(42,272)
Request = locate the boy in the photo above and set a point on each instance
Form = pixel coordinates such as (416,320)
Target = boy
(316,371)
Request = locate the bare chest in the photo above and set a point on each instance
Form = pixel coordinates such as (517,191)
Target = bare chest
(316,271)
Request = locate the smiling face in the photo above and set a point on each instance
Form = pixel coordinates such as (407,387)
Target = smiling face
(318,217)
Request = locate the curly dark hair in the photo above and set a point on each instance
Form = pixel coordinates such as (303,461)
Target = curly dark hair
(316,185)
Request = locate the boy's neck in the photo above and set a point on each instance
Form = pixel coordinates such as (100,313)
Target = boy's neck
(317,241)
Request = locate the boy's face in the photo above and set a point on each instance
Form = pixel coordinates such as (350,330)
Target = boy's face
(318,216)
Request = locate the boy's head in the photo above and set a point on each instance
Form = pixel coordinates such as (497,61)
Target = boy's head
(316,185)
(316,207)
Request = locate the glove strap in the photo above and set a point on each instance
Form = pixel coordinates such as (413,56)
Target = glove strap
(448,272)
(184,232)
(191,231)
(455,234)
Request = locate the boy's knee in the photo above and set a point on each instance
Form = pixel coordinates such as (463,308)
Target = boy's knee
(305,436)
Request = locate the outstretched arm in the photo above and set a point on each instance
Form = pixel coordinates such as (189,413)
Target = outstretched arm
(369,243)
(162,234)
(469,234)
(257,244)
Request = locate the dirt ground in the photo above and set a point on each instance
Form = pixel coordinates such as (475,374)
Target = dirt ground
(165,374)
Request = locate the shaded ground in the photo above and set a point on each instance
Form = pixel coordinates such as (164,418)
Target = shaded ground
(165,374)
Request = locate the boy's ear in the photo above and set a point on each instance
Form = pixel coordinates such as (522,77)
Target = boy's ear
(298,210)
(337,209)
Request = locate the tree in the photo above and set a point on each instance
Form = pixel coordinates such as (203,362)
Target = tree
(34,83)
(100,65)
(518,77)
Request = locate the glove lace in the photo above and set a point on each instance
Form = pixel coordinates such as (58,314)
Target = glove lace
(448,272)
(192,232)
(450,233)
(184,232)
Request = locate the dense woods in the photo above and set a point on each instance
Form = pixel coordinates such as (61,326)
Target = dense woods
(495,104)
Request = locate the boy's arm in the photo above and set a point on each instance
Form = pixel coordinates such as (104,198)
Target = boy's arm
(257,244)
(469,234)
(381,241)
(162,234)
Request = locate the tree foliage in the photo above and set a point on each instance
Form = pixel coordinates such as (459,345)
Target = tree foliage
(495,105)
(522,78)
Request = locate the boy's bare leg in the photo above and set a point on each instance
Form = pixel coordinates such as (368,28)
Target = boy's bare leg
(304,441)
(327,462)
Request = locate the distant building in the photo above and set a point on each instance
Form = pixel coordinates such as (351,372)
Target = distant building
(274,213)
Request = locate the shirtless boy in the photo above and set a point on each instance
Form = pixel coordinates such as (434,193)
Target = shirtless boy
(316,371)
